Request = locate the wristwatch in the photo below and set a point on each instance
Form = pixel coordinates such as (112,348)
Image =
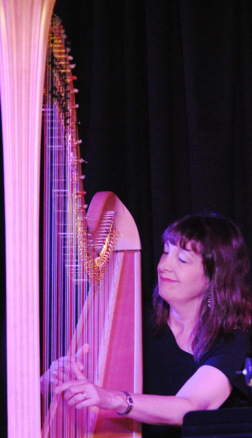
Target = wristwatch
(129,401)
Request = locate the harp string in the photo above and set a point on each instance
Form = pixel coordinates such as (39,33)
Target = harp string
(76,296)
(61,265)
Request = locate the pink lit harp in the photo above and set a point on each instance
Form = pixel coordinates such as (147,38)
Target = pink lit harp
(91,292)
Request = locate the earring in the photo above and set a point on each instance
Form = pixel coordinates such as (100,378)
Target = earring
(209,301)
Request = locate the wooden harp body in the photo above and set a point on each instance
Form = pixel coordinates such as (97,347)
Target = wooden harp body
(92,258)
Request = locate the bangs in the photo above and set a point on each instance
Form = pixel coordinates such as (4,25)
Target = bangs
(182,233)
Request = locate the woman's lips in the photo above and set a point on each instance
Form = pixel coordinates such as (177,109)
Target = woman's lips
(167,280)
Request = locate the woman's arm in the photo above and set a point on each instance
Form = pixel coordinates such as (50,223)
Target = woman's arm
(208,388)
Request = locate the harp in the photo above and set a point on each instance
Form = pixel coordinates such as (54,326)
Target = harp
(94,253)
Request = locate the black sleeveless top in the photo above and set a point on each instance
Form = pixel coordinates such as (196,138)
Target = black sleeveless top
(167,368)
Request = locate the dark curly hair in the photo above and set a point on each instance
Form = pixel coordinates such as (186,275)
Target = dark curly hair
(226,263)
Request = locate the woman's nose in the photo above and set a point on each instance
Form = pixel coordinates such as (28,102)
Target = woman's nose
(165,263)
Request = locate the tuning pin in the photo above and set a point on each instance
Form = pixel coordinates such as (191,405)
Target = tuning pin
(72,66)
(80,193)
(82,177)
(77,142)
(81,161)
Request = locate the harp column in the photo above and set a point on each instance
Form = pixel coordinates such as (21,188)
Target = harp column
(24,26)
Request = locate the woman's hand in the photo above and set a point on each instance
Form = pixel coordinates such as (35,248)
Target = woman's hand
(61,370)
(81,393)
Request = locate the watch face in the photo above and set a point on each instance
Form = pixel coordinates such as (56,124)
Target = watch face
(130,400)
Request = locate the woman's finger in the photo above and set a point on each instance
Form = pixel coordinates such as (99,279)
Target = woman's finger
(81,354)
(63,364)
(78,373)
(73,385)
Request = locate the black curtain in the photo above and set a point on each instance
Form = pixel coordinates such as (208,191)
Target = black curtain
(165,109)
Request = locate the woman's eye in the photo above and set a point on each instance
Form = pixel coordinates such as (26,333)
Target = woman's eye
(182,260)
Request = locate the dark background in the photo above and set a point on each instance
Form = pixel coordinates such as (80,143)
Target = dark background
(165,91)
(166,112)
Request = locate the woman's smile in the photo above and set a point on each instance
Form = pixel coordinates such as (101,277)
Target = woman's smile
(166,279)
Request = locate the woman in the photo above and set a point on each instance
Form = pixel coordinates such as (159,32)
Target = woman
(200,340)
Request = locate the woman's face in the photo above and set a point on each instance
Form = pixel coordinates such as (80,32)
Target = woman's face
(181,276)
